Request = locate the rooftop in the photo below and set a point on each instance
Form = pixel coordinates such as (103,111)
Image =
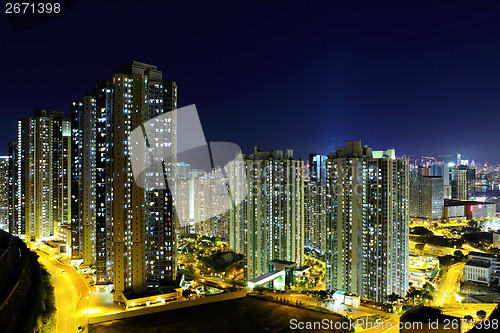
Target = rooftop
(150,292)
(478,263)
(303,268)
(282,262)
(451,202)
(484,255)
(265,276)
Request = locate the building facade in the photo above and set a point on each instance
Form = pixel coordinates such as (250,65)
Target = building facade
(463,182)
(367,235)
(4,193)
(126,229)
(269,224)
(40,175)
(315,203)
(315,224)
(92,178)
(426,197)
(468,210)
(482,268)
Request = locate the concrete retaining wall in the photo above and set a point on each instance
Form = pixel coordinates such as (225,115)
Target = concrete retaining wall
(240,293)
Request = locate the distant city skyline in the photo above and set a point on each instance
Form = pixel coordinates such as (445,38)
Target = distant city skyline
(423,81)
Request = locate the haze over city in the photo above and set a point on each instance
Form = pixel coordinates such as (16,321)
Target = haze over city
(420,77)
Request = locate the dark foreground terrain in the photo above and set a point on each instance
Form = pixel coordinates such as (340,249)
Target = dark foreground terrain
(243,315)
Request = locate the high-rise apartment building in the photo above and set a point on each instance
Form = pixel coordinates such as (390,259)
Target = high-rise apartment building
(92,180)
(315,225)
(426,197)
(367,236)
(269,223)
(317,167)
(209,197)
(42,183)
(15,225)
(315,203)
(441,170)
(4,193)
(463,181)
(125,228)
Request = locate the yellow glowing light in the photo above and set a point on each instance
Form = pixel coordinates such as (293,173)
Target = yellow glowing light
(91,311)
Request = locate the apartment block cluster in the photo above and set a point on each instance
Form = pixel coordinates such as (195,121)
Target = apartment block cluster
(446,191)
(70,184)
(357,217)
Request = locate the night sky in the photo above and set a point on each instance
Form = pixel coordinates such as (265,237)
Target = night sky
(420,76)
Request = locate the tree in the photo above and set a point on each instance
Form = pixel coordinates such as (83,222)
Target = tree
(393,297)
(446,260)
(420,246)
(481,314)
(468,318)
(428,287)
(321,296)
(427,296)
(259,290)
(413,295)
(422,231)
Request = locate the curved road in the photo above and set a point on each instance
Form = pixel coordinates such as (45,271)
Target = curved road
(67,295)
(448,286)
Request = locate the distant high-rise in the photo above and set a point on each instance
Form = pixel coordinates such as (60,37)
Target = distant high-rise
(426,197)
(209,192)
(16,226)
(463,181)
(315,205)
(317,167)
(4,193)
(42,182)
(441,170)
(368,239)
(269,223)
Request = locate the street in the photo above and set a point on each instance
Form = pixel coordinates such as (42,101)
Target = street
(67,295)
(448,286)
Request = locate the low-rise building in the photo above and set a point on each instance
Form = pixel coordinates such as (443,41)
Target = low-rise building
(343,297)
(468,210)
(422,269)
(482,268)
(130,300)
(63,233)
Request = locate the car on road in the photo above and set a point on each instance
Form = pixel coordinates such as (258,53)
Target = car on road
(81,328)
(63,271)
